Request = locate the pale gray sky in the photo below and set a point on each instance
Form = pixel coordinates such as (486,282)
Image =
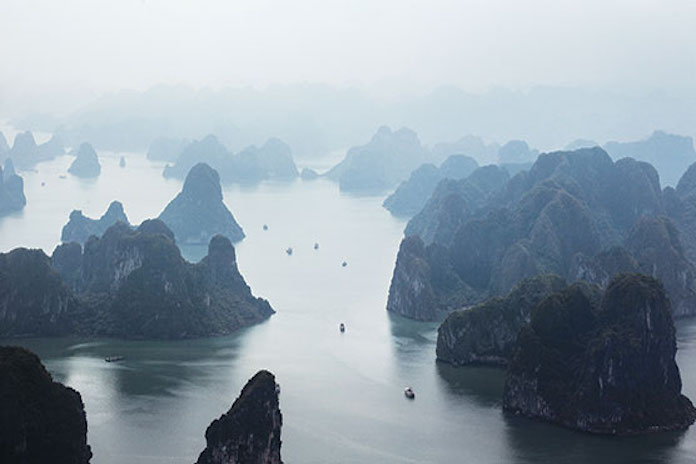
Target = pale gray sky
(73,47)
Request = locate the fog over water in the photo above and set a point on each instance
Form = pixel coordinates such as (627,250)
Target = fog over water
(341,394)
(325,76)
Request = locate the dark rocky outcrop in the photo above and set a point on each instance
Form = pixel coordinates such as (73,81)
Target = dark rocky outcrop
(34,300)
(273,160)
(486,333)
(455,201)
(11,189)
(568,215)
(128,283)
(166,149)
(249,433)
(680,205)
(601,363)
(412,194)
(86,163)
(79,228)
(670,154)
(382,163)
(40,420)
(198,213)
(26,153)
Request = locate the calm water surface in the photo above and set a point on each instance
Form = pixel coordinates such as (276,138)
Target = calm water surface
(341,394)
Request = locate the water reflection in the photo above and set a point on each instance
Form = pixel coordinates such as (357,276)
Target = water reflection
(481,384)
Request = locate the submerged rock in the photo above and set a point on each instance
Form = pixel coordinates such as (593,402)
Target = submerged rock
(249,433)
(79,228)
(198,213)
(86,163)
(601,363)
(41,420)
(486,333)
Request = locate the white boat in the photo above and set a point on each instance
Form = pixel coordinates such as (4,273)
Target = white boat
(409,393)
(289,251)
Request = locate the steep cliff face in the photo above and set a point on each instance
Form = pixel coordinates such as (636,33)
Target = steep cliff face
(79,228)
(34,300)
(564,216)
(453,202)
(486,333)
(11,189)
(411,293)
(128,283)
(198,213)
(40,420)
(680,204)
(249,433)
(601,364)
(655,243)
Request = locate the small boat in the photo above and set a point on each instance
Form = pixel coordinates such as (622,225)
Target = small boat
(122,162)
(111,359)
(265,227)
(409,393)
(342,327)
(43,184)
(316,246)
(62,176)
(289,251)
(344,264)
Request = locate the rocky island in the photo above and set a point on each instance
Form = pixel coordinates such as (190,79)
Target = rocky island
(79,227)
(575,214)
(273,160)
(387,159)
(601,362)
(249,433)
(26,153)
(86,163)
(486,333)
(11,189)
(41,420)
(129,284)
(198,212)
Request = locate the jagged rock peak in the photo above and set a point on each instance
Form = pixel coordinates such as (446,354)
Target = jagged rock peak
(202,181)
(601,363)
(249,433)
(41,420)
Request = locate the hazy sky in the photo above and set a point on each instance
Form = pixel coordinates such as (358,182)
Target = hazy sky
(75,46)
